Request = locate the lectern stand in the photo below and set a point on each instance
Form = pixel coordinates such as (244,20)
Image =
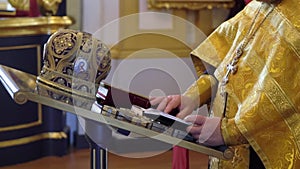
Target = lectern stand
(22,88)
(98,156)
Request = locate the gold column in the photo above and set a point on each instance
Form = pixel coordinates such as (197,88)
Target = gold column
(203,8)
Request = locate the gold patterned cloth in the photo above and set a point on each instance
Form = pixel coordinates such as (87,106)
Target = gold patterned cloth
(263,105)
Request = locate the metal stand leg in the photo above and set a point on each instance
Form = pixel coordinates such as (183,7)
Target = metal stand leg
(98,136)
(98,156)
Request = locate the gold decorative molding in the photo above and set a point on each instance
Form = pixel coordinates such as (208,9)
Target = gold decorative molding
(30,139)
(8,13)
(27,125)
(49,7)
(158,38)
(203,8)
(117,53)
(39,106)
(20,4)
(189,4)
(32,25)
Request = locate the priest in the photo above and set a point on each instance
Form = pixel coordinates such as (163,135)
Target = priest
(253,61)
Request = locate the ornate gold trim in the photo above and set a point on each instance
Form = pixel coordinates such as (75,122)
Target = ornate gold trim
(26,125)
(30,139)
(20,4)
(39,120)
(49,7)
(127,54)
(8,13)
(33,25)
(189,4)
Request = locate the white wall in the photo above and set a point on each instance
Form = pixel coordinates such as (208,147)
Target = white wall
(152,76)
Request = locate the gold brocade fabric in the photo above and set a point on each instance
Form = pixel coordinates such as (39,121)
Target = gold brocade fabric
(194,91)
(263,106)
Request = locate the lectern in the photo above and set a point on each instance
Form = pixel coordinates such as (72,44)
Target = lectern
(74,65)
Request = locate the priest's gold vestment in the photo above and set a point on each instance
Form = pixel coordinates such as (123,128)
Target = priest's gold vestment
(263,105)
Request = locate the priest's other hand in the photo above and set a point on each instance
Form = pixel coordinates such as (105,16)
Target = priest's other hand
(207,130)
(184,104)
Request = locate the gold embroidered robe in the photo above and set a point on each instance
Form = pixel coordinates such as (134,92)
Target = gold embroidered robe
(263,106)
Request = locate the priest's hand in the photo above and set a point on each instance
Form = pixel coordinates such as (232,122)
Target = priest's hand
(207,130)
(184,104)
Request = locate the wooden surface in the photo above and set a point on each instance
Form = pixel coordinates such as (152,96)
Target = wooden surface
(79,159)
